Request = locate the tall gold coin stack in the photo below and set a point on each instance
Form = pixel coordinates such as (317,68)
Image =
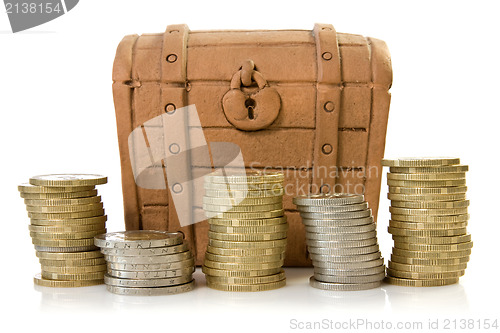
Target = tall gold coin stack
(428,223)
(248,230)
(342,242)
(66,213)
(147,263)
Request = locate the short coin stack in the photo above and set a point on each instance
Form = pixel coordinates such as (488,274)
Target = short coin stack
(147,263)
(66,213)
(342,242)
(248,230)
(428,221)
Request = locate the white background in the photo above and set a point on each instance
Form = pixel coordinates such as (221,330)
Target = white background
(58,116)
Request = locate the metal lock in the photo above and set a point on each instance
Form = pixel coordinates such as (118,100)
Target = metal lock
(250,108)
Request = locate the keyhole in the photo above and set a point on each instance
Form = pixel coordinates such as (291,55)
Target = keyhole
(250,105)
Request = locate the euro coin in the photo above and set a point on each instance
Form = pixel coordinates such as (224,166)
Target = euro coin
(421,162)
(342,286)
(420,283)
(68,180)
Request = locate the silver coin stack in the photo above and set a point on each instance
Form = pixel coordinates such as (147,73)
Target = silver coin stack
(147,263)
(342,242)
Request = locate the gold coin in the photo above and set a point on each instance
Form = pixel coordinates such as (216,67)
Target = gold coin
(250,177)
(69,222)
(420,283)
(74,270)
(66,235)
(242,202)
(426,176)
(40,281)
(427,269)
(67,228)
(250,215)
(247,287)
(426,197)
(63,242)
(81,276)
(421,162)
(246,280)
(431,254)
(72,263)
(63,202)
(247,245)
(61,195)
(249,230)
(431,204)
(243,194)
(433,240)
(63,209)
(426,184)
(428,212)
(433,247)
(65,249)
(63,216)
(427,233)
(243,209)
(246,237)
(431,219)
(427,190)
(423,276)
(247,223)
(429,262)
(68,180)
(439,169)
(28,188)
(246,252)
(239,273)
(426,225)
(243,267)
(244,260)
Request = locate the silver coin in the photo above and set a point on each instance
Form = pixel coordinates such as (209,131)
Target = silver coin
(151,259)
(151,267)
(340,216)
(333,209)
(332,253)
(348,279)
(153,251)
(333,250)
(341,244)
(163,274)
(342,230)
(333,199)
(141,283)
(155,291)
(341,237)
(342,287)
(337,223)
(345,259)
(66,249)
(374,261)
(138,239)
(350,272)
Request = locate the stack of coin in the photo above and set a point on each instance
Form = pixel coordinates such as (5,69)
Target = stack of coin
(147,263)
(342,242)
(248,230)
(428,221)
(66,213)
